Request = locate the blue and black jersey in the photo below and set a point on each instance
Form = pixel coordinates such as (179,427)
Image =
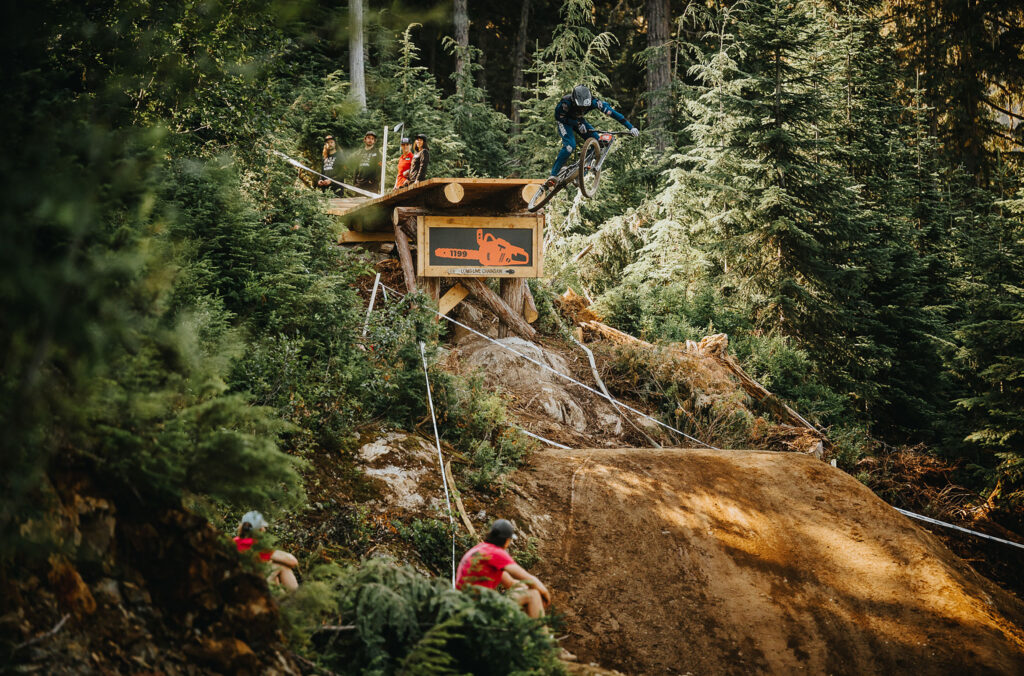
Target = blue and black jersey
(569,118)
(568,112)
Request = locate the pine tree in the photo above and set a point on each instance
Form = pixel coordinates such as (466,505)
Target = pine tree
(772,212)
(989,361)
(897,371)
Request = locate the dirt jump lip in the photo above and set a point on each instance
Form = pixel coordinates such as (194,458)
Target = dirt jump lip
(675,560)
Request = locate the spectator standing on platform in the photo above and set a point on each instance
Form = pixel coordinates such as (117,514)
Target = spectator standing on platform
(331,165)
(366,162)
(420,160)
(404,164)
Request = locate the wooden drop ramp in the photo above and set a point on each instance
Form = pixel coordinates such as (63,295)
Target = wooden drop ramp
(493,196)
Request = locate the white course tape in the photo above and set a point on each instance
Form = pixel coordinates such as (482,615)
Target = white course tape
(373,297)
(540,438)
(300,165)
(440,458)
(928,519)
(569,378)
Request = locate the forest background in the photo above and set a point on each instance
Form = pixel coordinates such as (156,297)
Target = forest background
(836,184)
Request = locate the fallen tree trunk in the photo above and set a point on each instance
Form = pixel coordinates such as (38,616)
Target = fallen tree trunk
(499,307)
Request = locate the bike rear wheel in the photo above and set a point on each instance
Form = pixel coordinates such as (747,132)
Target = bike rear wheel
(590,170)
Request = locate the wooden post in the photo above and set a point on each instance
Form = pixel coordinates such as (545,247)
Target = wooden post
(431,286)
(405,256)
(512,294)
(499,307)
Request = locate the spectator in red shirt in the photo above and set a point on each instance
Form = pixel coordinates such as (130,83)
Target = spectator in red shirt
(282,564)
(404,163)
(489,565)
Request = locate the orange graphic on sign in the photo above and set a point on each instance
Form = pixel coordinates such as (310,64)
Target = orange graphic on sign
(493,251)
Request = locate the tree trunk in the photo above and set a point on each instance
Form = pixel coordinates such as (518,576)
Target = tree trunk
(519,61)
(461,16)
(355,52)
(512,293)
(481,73)
(659,67)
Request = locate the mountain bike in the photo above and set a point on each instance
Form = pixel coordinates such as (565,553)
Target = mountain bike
(591,158)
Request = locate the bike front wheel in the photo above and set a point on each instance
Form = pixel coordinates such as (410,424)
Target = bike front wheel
(541,197)
(590,168)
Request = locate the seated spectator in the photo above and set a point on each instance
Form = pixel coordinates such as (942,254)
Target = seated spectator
(488,564)
(366,162)
(282,564)
(331,165)
(404,163)
(420,160)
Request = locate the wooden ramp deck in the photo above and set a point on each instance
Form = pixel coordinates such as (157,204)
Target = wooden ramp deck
(493,196)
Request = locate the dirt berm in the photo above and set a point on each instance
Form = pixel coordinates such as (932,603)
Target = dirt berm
(741,562)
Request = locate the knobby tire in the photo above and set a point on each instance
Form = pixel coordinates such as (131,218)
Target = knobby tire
(592,175)
(542,197)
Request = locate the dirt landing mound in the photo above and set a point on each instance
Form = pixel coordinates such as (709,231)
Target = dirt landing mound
(739,562)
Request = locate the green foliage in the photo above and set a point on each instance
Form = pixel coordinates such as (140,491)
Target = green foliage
(990,339)
(407,623)
(432,540)
(475,421)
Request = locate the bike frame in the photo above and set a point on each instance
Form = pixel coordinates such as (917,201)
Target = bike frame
(571,172)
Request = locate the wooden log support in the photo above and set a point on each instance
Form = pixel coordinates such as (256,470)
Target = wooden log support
(513,199)
(499,307)
(405,257)
(453,297)
(530,305)
(352,237)
(512,294)
(405,217)
(445,196)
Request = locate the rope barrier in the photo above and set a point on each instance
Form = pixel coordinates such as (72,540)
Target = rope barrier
(614,401)
(928,519)
(300,165)
(437,440)
(440,458)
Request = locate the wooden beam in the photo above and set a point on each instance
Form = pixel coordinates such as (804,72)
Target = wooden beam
(530,305)
(492,300)
(512,294)
(448,195)
(405,256)
(350,237)
(453,297)
(339,206)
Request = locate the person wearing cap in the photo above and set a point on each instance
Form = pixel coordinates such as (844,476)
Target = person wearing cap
(329,166)
(282,564)
(366,163)
(404,163)
(420,159)
(489,564)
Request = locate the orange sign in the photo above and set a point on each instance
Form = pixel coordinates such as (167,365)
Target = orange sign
(490,250)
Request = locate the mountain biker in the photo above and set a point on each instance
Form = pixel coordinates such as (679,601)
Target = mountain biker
(569,117)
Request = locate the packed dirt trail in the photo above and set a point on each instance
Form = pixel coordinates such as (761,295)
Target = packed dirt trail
(741,562)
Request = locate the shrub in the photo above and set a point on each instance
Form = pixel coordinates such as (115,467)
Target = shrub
(403,622)
(432,540)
